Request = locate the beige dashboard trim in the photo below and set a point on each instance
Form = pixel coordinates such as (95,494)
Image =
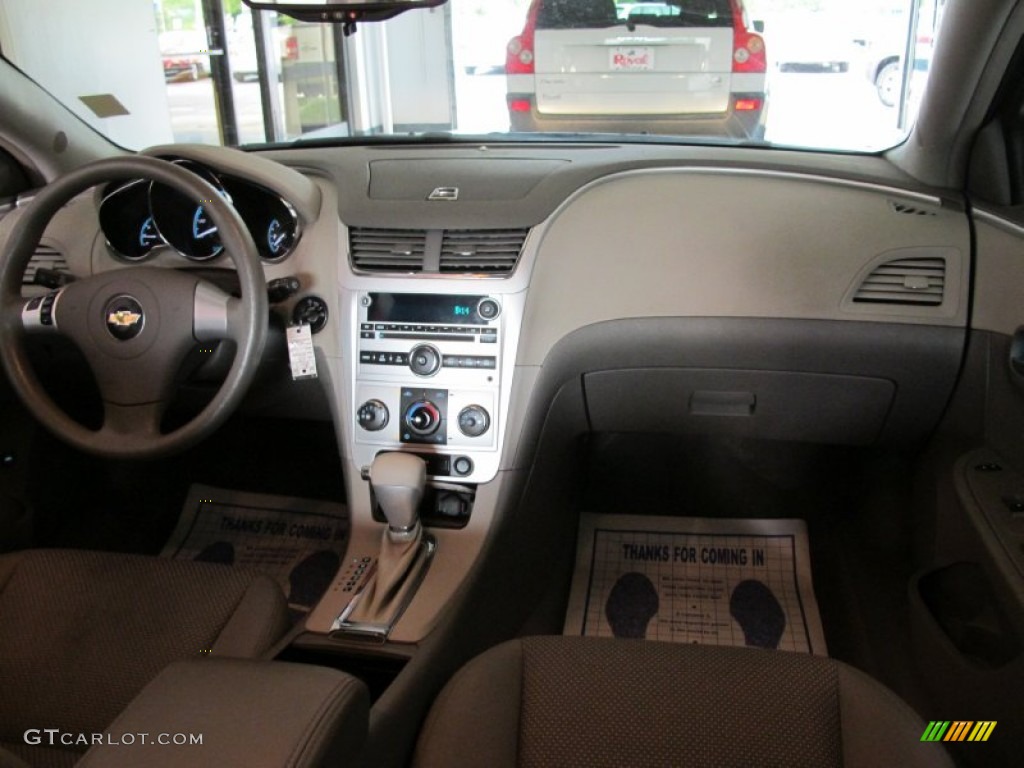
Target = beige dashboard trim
(724,242)
(920,197)
(1001,222)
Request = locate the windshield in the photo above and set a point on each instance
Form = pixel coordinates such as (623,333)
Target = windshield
(826,74)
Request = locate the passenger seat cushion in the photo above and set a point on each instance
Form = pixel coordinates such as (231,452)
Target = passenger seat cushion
(81,632)
(594,702)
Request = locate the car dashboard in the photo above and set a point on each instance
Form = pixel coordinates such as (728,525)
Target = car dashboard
(456,292)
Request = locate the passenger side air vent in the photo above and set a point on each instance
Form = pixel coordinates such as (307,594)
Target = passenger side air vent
(45,257)
(494,251)
(910,282)
(387,250)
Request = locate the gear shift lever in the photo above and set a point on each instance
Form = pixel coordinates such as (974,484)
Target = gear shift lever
(397,480)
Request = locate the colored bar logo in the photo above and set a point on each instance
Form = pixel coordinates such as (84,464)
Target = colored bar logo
(958,730)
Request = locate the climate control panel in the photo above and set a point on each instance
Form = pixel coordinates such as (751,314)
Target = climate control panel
(428,377)
(428,417)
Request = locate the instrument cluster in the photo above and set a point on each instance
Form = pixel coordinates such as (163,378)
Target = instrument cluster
(140,216)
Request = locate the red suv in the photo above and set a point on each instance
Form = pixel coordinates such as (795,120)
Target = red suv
(679,66)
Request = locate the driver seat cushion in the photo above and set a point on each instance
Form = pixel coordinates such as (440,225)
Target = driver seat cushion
(81,633)
(595,702)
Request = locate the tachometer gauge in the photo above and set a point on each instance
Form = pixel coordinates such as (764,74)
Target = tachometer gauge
(125,220)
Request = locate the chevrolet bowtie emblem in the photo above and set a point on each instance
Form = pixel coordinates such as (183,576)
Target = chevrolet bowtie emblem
(123,318)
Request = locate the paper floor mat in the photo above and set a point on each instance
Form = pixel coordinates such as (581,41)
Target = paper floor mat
(298,542)
(695,580)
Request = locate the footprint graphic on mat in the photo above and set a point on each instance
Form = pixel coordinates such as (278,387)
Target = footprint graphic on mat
(631,605)
(757,611)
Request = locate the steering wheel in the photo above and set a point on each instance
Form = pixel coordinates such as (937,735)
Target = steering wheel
(133,325)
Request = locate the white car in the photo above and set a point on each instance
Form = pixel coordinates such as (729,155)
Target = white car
(575,67)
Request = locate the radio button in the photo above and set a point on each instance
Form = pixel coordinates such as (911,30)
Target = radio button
(488,309)
(424,360)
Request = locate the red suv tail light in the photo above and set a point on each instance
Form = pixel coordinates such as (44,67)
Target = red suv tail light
(519,56)
(519,52)
(748,53)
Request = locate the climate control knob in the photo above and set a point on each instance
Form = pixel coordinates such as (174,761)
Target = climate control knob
(474,420)
(422,418)
(424,360)
(373,415)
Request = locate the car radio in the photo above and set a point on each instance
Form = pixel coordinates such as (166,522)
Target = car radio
(427,375)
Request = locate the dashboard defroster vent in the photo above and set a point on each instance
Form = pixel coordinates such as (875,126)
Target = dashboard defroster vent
(45,257)
(494,251)
(387,250)
(911,282)
(908,209)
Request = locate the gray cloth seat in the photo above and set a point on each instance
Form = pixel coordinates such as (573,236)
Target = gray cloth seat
(81,633)
(591,702)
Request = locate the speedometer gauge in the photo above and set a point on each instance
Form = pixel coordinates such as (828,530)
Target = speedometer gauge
(203,228)
(187,226)
(148,236)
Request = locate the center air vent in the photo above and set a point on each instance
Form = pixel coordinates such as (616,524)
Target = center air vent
(45,257)
(490,252)
(910,282)
(387,250)
(494,251)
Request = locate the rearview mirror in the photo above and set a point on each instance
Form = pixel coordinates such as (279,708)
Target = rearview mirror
(346,12)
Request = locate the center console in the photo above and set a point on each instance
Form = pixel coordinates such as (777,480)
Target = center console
(428,380)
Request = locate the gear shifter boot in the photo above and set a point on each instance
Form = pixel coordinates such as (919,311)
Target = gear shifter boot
(397,480)
(397,566)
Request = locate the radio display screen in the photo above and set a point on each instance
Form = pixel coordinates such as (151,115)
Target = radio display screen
(424,308)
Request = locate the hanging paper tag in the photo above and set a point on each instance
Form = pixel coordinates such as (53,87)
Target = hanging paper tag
(300,352)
